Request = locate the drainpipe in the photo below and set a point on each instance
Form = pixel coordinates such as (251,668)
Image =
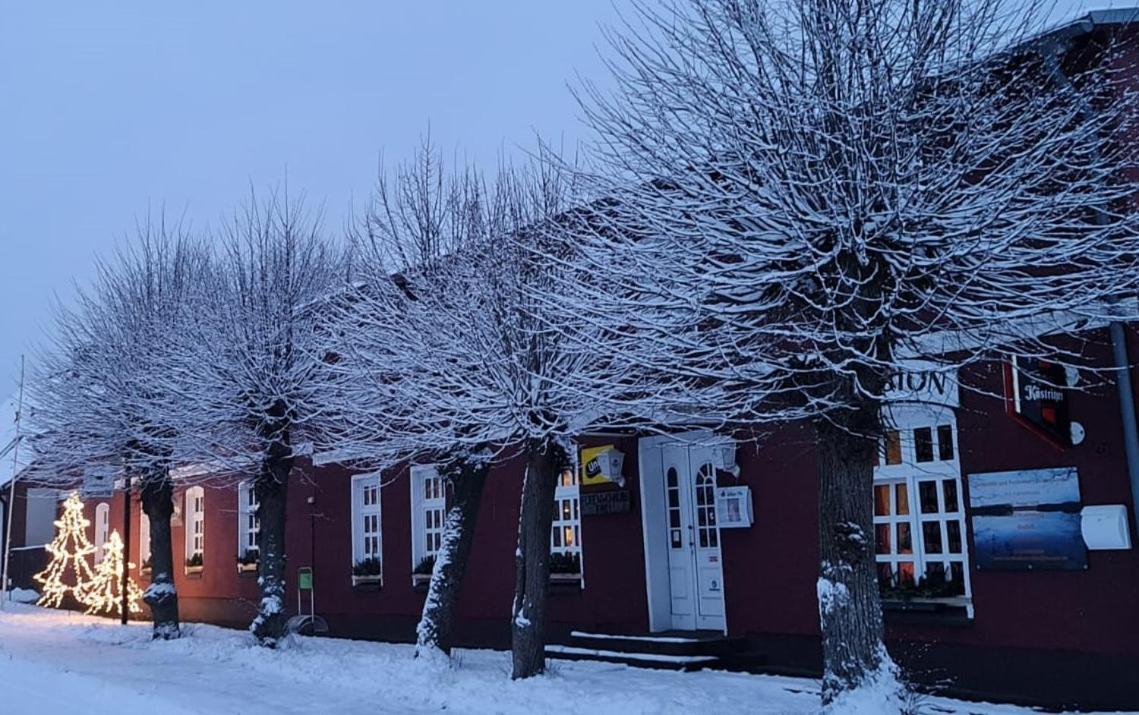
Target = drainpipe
(1121,361)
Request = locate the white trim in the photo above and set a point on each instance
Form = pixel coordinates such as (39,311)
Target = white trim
(192,515)
(360,511)
(905,419)
(143,538)
(247,507)
(654,517)
(102,528)
(420,507)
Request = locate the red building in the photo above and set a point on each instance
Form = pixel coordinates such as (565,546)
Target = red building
(1005,535)
(990,597)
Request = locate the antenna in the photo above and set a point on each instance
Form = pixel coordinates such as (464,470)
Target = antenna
(5,593)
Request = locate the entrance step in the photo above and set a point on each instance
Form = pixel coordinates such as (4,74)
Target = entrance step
(673,650)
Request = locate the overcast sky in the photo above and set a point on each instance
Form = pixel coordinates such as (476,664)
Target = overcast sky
(113,108)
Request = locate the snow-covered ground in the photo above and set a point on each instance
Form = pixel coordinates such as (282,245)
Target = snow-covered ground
(53,661)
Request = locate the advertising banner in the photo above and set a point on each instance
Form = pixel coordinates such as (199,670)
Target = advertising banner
(1027,520)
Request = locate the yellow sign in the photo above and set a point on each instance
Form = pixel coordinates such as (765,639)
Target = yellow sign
(590,470)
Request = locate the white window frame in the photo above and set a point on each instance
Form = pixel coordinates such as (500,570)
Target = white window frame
(143,538)
(195,516)
(567,514)
(102,529)
(247,530)
(367,519)
(905,419)
(428,513)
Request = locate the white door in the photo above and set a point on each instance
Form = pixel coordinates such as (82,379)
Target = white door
(696,583)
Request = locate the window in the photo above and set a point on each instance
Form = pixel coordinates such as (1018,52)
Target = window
(367,543)
(565,536)
(919,516)
(428,508)
(195,521)
(102,528)
(143,540)
(248,523)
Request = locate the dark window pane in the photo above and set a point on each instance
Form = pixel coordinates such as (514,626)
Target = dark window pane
(902,499)
(905,541)
(713,537)
(893,447)
(882,538)
(935,571)
(674,518)
(931,537)
(927,497)
(953,533)
(945,442)
(882,500)
(906,573)
(949,491)
(957,572)
(671,478)
(885,575)
(703,538)
(923,444)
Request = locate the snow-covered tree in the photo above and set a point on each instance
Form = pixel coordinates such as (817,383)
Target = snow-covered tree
(447,349)
(250,366)
(801,195)
(410,243)
(102,396)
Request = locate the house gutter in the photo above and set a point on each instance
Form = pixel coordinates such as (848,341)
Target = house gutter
(1050,51)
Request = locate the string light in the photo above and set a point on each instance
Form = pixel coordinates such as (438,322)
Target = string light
(69,551)
(104,594)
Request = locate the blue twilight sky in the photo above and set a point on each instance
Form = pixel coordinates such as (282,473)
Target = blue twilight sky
(111,108)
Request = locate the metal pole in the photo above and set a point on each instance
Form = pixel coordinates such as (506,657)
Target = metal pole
(5,594)
(124,590)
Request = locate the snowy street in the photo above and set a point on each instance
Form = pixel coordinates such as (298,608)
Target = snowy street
(54,661)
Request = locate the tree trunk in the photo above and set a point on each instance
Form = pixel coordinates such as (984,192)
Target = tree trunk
(545,460)
(435,630)
(158,503)
(272,499)
(850,613)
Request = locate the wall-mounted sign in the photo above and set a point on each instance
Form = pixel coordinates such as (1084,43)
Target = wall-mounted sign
(1039,396)
(602,464)
(733,507)
(611,502)
(1027,520)
(924,382)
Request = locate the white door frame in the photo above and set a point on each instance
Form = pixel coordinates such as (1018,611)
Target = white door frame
(654,520)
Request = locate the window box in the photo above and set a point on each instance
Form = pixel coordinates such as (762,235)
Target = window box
(955,612)
(194,564)
(367,583)
(247,562)
(565,584)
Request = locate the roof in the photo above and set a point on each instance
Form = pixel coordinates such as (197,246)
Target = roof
(1089,22)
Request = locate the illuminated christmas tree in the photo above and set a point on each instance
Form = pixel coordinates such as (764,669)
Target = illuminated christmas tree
(104,594)
(69,551)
